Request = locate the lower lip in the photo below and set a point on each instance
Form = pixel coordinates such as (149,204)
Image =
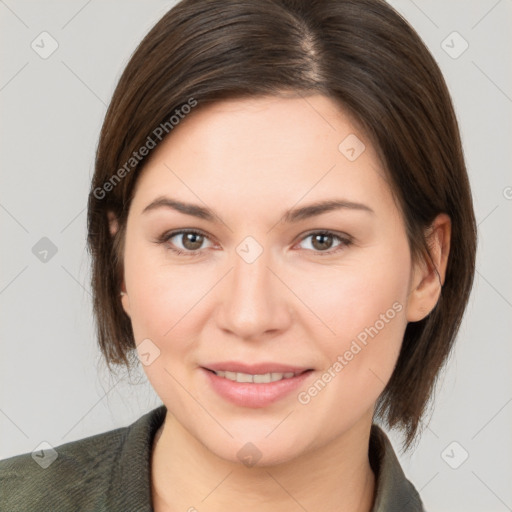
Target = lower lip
(247,394)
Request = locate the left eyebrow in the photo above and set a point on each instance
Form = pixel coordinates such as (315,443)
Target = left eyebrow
(311,210)
(289,216)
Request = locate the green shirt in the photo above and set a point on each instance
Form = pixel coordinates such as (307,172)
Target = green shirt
(111,471)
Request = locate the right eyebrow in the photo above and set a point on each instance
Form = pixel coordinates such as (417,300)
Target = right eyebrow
(180,206)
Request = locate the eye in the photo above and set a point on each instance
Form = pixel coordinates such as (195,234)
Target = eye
(322,241)
(190,240)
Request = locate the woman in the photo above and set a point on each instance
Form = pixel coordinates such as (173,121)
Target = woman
(281,229)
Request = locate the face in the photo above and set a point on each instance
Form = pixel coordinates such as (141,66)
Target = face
(251,280)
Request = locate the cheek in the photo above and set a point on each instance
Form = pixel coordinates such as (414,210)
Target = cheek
(353,296)
(366,312)
(164,303)
(162,298)
(362,309)
(170,304)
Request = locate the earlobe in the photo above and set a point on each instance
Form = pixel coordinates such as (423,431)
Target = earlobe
(428,276)
(112,222)
(125,300)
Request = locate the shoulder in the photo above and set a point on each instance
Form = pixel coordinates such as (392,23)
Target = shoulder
(58,474)
(83,474)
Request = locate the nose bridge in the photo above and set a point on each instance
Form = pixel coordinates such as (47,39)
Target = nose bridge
(253,303)
(251,274)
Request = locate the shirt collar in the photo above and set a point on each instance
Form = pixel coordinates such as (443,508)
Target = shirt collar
(131,481)
(393,492)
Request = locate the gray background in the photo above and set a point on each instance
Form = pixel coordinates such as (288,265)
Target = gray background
(54,386)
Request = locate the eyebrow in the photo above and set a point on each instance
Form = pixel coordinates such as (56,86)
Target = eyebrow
(289,216)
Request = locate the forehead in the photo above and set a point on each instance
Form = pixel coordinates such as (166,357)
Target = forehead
(273,147)
(260,127)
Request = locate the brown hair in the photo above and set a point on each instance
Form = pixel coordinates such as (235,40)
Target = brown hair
(362,54)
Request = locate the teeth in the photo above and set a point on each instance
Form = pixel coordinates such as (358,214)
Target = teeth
(258,378)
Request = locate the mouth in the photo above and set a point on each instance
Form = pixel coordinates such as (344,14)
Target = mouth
(256,378)
(257,385)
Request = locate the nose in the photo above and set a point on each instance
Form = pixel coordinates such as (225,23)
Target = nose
(254,302)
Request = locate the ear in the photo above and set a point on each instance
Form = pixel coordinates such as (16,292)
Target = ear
(112,222)
(123,295)
(427,280)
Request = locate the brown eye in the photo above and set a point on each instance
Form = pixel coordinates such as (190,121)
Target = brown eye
(183,242)
(192,241)
(323,241)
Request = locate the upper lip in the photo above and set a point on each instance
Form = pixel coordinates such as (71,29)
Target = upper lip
(255,369)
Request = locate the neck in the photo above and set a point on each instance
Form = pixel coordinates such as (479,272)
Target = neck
(187,476)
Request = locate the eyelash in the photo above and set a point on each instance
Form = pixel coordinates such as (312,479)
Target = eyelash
(345,242)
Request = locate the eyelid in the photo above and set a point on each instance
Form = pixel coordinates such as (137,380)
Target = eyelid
(165,237)
(345,240)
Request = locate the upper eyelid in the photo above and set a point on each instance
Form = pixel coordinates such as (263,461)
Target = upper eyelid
(171,234)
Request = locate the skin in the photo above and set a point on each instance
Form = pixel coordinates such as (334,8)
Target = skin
(249,161)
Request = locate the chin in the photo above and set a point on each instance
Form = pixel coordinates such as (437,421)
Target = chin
(254,447)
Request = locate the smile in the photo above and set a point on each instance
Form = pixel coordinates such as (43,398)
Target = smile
(255,378)
(255,390)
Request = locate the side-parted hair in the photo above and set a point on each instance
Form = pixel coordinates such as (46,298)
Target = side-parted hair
(360,53)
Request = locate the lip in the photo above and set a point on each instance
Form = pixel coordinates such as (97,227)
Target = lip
(251,394)
(260,368)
